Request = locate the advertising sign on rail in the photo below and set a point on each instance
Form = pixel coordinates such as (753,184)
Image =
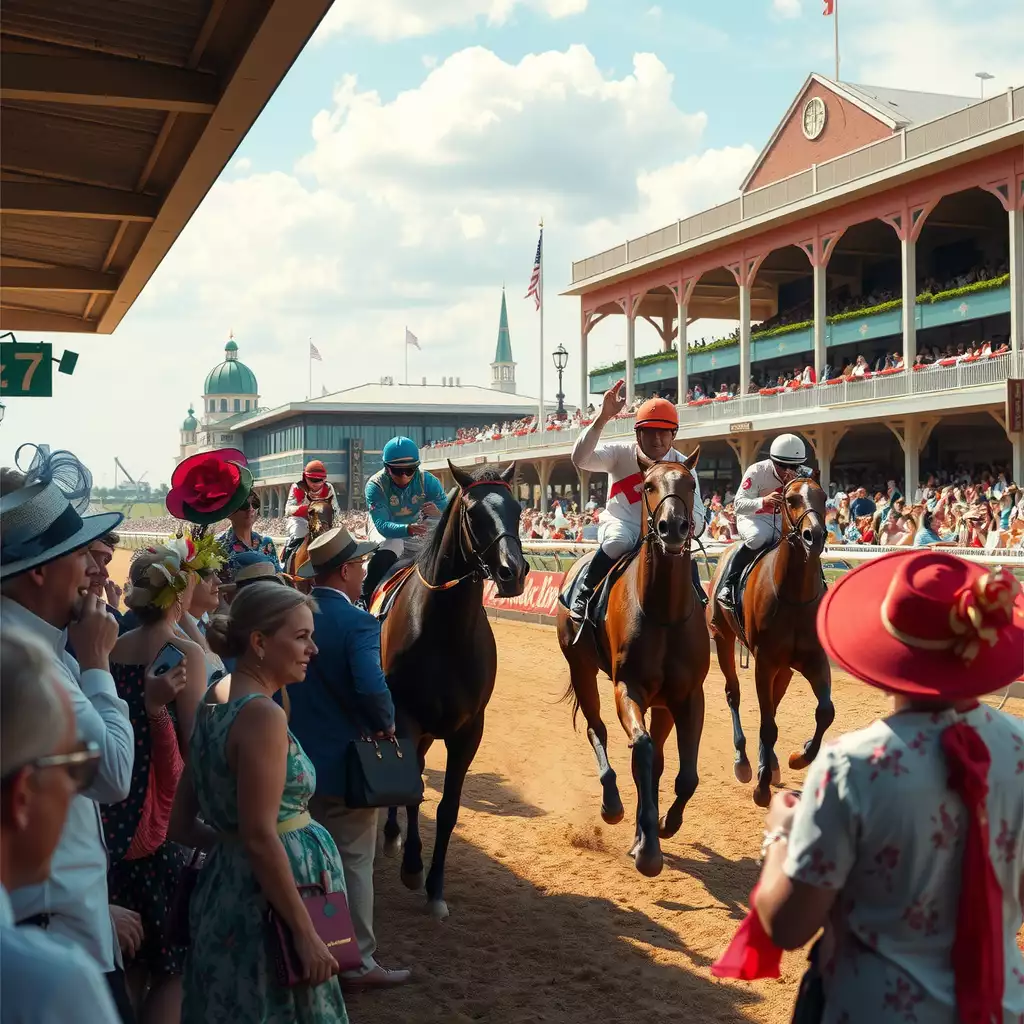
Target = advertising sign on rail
(539,598)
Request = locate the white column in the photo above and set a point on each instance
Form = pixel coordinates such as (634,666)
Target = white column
(630,356)
(544,467)
(1018,459)
(909,254)
(911,456)
(744,339)
(681,316)
(820,323)
(1017,279)
(584,378)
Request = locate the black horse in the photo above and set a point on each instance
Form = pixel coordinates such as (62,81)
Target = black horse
(438,650)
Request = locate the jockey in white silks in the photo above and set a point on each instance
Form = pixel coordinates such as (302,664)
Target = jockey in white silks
(618,531)
(758,505)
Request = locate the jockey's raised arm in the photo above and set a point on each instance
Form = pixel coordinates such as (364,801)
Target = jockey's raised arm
(619,524)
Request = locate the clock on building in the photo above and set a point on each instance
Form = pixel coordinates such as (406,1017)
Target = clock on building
(815,116)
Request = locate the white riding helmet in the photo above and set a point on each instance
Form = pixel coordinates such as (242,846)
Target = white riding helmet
(788,450)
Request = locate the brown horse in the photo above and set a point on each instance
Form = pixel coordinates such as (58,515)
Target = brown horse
(320,517)
(659,652)
(780,607)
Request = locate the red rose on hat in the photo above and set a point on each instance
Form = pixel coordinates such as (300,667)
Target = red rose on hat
(209,486)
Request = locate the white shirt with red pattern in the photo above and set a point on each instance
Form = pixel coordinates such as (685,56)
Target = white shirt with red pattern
(297,508)
(877,822)
(758,482)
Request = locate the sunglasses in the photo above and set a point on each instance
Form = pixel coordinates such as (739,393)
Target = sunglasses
(403,470)
(253,503)
(82,766)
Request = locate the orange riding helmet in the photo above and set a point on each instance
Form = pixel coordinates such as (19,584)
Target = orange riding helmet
(658,413)
(315,470)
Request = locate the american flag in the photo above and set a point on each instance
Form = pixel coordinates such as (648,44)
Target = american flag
(314,353)
(534,288)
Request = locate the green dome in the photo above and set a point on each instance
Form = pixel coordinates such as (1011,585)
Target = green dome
(231,377)
(191,424)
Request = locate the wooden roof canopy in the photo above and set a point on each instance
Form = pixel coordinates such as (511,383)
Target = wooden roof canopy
(116,118)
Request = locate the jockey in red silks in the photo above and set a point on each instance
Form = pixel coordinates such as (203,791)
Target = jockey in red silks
(312,487)
(618,529)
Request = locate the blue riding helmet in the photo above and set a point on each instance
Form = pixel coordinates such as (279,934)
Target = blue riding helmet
(401,451)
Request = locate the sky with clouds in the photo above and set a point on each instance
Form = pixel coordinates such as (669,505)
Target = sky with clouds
(398,175)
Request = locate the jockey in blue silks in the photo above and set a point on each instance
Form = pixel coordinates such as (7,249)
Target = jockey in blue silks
(400,498)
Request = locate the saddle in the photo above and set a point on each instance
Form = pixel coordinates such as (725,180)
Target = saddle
(384,596)
(740,590)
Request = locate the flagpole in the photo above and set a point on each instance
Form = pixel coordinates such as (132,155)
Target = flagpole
(309,356)
(405,341)
(835,30)
(541,418)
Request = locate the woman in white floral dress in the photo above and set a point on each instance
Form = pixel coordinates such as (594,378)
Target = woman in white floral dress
(907,843)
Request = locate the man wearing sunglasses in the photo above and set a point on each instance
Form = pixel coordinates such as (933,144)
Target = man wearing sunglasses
(43,767)
(401,499)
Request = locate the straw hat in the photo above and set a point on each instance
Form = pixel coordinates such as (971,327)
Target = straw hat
(926,624)
(332,550)
(38,525)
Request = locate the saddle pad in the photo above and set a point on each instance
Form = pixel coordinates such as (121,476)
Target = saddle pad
(741,589)
(384,596)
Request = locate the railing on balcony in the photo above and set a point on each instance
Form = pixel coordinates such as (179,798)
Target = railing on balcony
(876,388)
(918,141)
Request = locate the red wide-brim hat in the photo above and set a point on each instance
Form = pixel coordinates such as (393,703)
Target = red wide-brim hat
(926,624)
(209,487)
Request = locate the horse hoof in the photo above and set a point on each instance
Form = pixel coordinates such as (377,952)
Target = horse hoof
(743,771)
(437,909)
(612,817)
(392,845)
(798,762)
(649,865)
(776,776)
(412,880)
(762,797)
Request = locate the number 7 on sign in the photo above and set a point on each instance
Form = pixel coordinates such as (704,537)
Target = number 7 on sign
(33,359)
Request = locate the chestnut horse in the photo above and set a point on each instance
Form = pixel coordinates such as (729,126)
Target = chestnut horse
(438,651)
(659,651)
(780,608)
(320,517)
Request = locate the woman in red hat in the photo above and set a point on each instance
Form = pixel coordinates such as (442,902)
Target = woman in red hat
(907,843)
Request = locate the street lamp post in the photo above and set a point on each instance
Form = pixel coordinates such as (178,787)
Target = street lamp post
(561,360)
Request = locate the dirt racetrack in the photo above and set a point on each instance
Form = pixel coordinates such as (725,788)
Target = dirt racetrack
(549,920)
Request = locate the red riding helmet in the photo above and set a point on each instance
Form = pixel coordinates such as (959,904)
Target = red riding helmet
(315,470)
(658,413)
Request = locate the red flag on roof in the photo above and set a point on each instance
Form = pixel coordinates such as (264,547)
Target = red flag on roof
(830,7)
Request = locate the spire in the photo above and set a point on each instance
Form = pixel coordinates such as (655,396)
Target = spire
(503,352)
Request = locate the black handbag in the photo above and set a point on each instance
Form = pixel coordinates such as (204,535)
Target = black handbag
(810,997)
(382,773)
(176,925)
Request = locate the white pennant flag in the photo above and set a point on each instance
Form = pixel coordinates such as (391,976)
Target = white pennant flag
(411,339)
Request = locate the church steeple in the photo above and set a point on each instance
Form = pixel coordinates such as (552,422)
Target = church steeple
(503,369)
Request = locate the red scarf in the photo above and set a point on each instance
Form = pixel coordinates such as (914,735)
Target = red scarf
(977,954)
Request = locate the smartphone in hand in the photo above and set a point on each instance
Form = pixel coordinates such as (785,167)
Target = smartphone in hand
(167,657)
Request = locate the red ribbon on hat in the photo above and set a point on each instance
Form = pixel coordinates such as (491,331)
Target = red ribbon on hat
(977,956)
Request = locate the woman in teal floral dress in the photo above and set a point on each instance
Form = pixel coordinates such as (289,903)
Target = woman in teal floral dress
(250,783)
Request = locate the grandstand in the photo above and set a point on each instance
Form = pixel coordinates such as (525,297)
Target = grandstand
(874,261)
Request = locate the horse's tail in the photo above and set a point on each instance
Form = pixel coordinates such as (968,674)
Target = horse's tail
(572,696)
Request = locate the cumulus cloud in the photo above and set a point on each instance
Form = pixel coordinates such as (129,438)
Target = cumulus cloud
(409,211)
(401,19)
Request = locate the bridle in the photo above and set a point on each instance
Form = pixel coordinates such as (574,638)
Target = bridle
(652,534)
(481,570)
(794,539)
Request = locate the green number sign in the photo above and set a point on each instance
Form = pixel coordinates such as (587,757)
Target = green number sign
(26,371)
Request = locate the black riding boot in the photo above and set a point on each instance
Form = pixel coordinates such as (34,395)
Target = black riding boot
(727,591)
(697,586)
(599,567)
(376,570)
(293,545)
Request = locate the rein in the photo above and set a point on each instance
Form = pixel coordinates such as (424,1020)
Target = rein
(792,538)
(481,570)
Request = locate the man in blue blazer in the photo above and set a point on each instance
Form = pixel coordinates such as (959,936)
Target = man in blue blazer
(343,698)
